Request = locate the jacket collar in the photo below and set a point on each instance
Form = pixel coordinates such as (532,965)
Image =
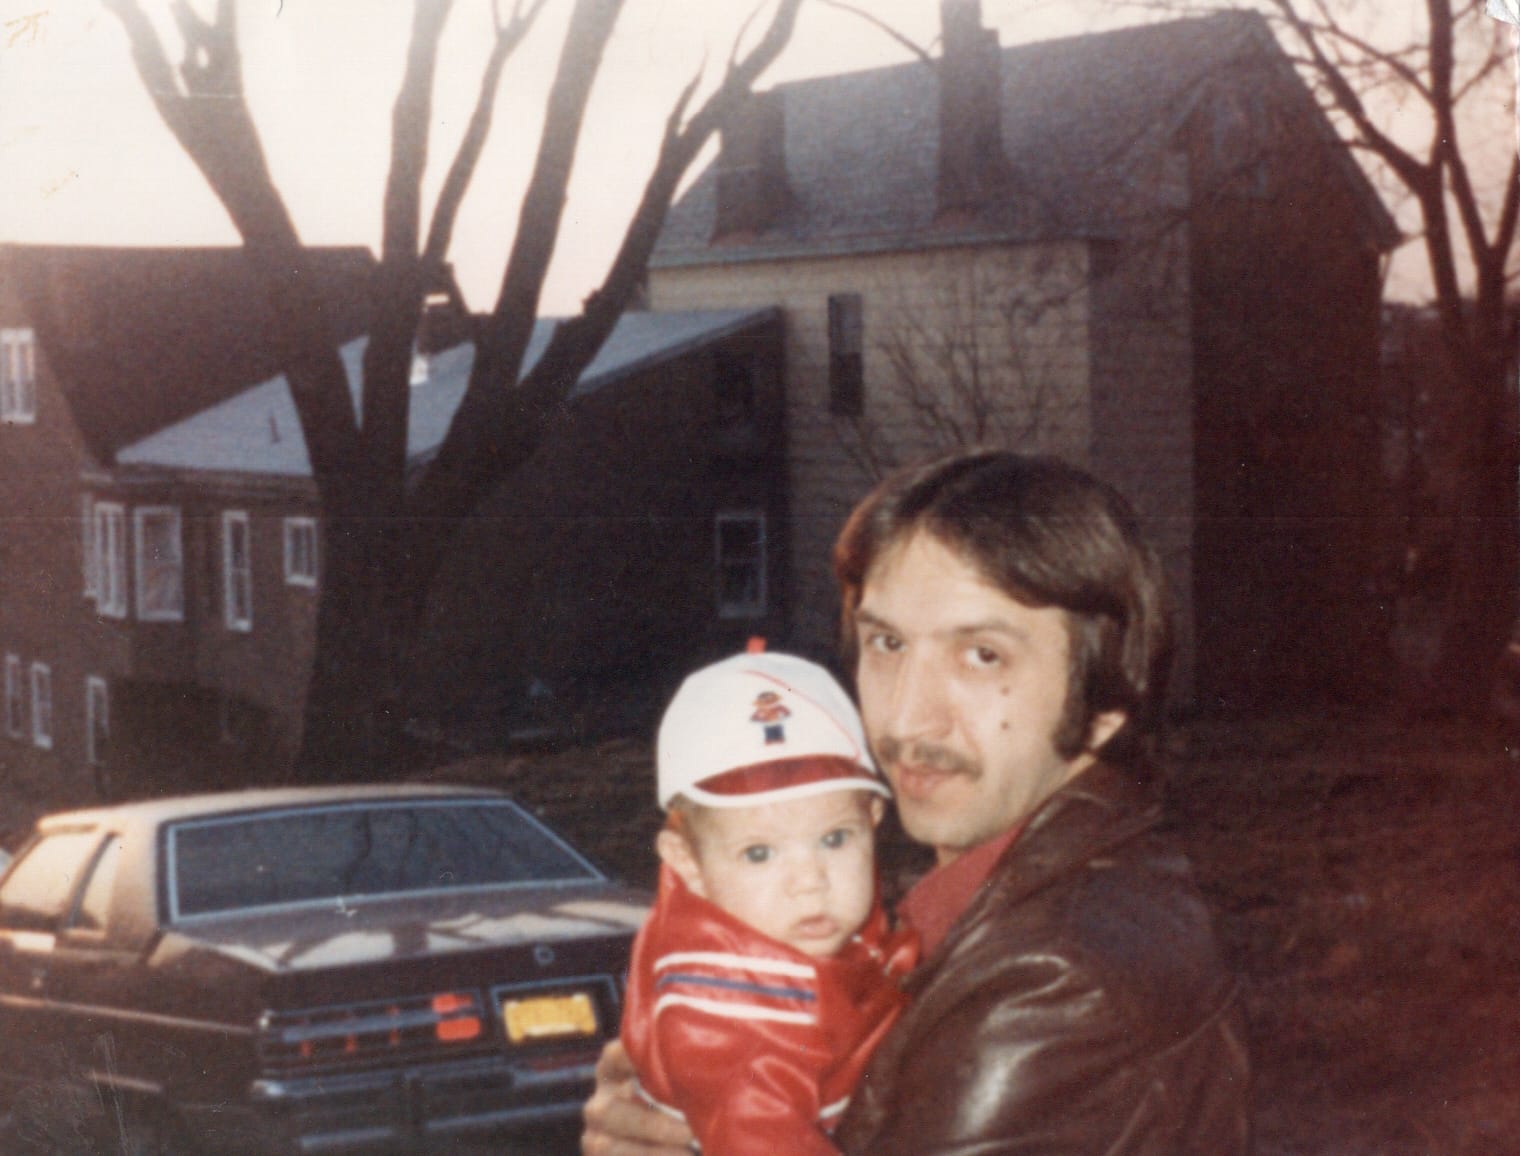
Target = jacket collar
(1098,811)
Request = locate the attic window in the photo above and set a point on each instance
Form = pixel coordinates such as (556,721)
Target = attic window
(847,394)
(18,377)
(733,392)
(741,564)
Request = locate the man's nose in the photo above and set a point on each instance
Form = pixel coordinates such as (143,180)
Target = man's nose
(916,703)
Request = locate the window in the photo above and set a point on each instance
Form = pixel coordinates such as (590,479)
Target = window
(95,902)
(301,551)
(741,565)
(38,889)
(847,390)
(18,377)
(15,700)
(42,705)
(87,542)
(733,392)
(97,709)
(160,564)
(110,559)
(237,571)
(315,854)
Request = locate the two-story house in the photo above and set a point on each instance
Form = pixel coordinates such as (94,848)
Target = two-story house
(636,541)
(1145,250)
(103,584)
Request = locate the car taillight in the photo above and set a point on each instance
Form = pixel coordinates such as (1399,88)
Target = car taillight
(458,1017)
(353,1034)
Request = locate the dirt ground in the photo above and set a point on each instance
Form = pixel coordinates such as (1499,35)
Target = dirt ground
(1365,878)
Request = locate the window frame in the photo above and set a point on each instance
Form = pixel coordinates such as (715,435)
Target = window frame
(42,706)
(111,559)
(87,543)
(723,564)
(237,581)
(15,698)
(294,526)
(140,518)
(96,690)
(847,381)
(18,380)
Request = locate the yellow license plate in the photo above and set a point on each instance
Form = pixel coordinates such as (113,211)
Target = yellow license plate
(548,1017)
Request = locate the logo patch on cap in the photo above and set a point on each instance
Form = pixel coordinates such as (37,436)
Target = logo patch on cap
(770,712)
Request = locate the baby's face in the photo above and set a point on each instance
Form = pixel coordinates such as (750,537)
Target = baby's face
(802,871)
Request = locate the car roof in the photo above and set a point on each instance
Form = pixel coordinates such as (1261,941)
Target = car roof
(154,812)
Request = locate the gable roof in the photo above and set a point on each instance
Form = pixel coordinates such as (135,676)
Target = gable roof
(258,432)
(142,337)
(862,148)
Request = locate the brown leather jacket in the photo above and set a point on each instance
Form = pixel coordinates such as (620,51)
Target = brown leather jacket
(1077,1007)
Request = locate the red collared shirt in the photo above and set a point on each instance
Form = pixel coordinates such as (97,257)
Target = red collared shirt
(935,902)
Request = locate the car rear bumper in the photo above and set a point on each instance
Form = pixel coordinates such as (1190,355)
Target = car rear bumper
(418,1109)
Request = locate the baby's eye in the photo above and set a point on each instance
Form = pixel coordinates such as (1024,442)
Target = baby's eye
(837,838)
(759,853)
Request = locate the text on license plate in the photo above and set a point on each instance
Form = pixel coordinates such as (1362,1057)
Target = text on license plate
(549,1017)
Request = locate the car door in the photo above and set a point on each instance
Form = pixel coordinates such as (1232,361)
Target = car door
(93,974)
(36,896)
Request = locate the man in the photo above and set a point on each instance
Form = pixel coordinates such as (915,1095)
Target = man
(1009,632)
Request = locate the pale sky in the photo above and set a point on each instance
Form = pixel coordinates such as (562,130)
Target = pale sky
(84,158)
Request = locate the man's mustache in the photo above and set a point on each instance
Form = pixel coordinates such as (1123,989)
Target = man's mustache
(924,756)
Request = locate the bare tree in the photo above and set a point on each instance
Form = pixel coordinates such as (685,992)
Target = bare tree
(965,369)
(385,533)
(1467,229)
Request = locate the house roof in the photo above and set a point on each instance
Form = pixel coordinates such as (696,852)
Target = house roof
(140,338)
(862,148)
(258,432)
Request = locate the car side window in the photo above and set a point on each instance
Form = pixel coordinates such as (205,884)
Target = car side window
(96,900)
(36,894)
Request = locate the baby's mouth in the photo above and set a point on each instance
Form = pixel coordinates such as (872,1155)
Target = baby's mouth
(816,927)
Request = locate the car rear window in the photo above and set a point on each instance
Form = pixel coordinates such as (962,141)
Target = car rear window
(324,853)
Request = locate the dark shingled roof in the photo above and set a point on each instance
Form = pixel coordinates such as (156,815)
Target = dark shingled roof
(862,148)
(143,337)
(258,432)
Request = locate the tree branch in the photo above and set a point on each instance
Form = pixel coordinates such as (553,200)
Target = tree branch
(206,109)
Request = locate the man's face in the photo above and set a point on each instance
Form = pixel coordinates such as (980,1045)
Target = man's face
(962,690)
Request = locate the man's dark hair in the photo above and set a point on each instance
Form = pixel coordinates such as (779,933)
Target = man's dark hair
(1047,534)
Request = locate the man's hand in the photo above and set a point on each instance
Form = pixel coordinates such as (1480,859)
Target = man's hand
(618,1123)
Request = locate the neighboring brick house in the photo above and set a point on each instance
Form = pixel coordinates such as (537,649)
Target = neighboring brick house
(104,617)
(635,542)
(1145,250)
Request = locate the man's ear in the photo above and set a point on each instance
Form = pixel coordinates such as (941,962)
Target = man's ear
(1104,727)
(676,852)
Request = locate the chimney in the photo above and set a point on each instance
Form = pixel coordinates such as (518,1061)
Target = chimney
(445,320)
(752,188)
(972,167)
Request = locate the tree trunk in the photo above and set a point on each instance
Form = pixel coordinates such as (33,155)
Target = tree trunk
(353,723)
(1485,585)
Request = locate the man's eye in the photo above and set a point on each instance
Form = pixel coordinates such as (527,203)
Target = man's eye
(884,643)
(983,656)
(837,838)
(756,854)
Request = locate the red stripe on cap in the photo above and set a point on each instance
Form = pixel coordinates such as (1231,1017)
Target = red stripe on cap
(762,778)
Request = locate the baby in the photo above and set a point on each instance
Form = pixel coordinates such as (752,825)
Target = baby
(766,973)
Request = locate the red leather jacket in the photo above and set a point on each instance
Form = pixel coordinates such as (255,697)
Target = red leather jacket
(1078,1006)
(757,1045)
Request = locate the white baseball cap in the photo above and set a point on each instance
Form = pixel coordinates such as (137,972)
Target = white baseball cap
(762,728)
